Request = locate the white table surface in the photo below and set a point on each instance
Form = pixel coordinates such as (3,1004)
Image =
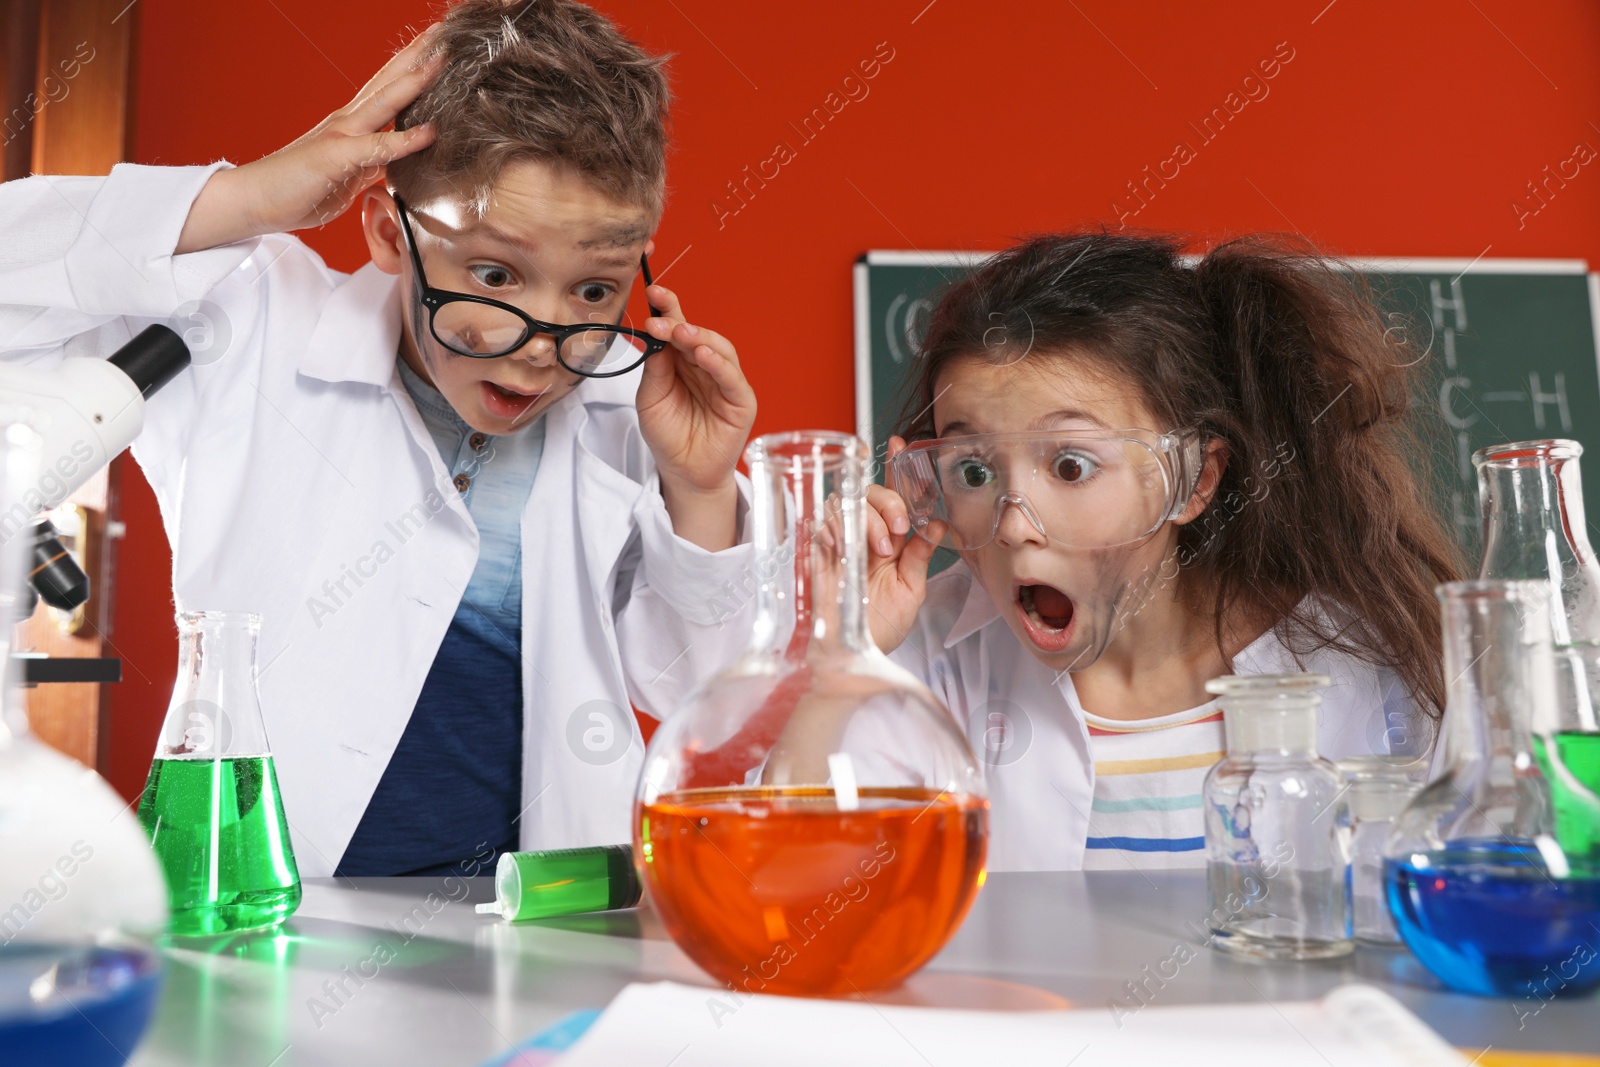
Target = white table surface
(449,987)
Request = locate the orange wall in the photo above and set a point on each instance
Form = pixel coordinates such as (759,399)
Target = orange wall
(1394,130)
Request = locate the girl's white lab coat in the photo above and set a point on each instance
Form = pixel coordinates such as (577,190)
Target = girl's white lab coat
(297,480)
(1027,728)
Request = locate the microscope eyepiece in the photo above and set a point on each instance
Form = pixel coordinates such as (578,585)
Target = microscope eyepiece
(152,359)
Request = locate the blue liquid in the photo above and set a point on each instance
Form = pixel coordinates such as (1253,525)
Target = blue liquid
(74,1007)
(1486,918)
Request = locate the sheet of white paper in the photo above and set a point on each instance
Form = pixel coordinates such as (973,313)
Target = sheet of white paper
(669,1025)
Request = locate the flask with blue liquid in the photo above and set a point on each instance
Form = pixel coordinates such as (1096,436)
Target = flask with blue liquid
(81,897)
(1480,887)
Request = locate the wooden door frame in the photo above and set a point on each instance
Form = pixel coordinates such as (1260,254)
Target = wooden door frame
(66,107)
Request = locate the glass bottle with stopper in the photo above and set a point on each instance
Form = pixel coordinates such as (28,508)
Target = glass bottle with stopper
(1479,887)
(211,804)
(812,821)
(1277,824)
(1378,789)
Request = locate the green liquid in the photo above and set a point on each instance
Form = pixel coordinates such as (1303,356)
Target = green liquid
(217,827)
(568,881)
(1577,810)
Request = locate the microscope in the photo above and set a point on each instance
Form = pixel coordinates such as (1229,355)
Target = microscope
(86,411)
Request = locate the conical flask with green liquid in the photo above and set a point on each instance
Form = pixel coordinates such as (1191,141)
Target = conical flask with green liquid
(211,804)
(1534,527)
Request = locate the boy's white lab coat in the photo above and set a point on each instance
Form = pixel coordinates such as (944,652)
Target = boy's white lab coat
(1027,728)
(297,480)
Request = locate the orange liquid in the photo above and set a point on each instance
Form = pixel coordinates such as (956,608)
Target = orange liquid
(778,891)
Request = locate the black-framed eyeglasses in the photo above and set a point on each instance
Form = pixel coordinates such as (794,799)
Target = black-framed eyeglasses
(477,326)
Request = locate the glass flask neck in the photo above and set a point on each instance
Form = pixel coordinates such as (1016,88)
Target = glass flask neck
(809,529)
(1270,714)
(1531,493)
(1500,667)
(215,709)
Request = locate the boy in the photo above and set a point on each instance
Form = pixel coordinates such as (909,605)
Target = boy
(468,553)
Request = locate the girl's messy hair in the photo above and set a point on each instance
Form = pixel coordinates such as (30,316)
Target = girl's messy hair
(1321,520)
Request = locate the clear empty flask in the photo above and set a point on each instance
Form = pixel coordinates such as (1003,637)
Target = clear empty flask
(1379,788)
(812,820)
(211,803)
(1277,825)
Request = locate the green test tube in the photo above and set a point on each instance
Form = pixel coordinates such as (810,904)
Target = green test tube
(539,885)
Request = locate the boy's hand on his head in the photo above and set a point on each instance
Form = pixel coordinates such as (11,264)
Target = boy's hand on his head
(897,563)
(695,411)
(315,180)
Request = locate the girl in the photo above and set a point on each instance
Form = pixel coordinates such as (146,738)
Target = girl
(1154,475)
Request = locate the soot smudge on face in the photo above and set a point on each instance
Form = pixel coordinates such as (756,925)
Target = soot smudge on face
(1098,614)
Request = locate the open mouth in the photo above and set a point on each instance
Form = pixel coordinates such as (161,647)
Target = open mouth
(1047,615)
(507,403)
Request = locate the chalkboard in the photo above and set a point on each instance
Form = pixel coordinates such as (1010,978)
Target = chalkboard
(1509,353)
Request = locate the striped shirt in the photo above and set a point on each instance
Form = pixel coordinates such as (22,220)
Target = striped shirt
(1148,773)
(1025,722)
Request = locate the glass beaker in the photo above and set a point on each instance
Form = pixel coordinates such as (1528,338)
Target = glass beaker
(812,820)
(81,897)
(1379,788)
(1478,886)
(211,804)
(1277,825)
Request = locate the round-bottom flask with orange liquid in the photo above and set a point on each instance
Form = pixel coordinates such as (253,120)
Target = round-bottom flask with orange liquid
(812,821)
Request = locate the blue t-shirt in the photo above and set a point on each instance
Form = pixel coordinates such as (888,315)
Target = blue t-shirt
(452,792)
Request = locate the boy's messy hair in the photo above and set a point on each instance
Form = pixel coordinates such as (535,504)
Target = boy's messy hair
(550,81)
(1323,519)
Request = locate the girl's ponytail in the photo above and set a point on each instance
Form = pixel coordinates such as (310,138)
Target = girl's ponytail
(1321,517)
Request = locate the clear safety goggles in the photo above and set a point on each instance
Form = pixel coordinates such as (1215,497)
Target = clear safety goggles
(1080,489)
